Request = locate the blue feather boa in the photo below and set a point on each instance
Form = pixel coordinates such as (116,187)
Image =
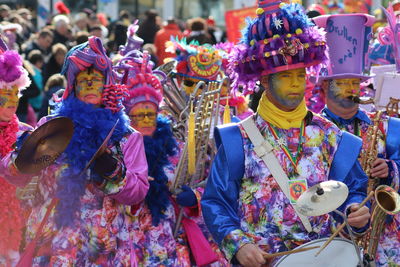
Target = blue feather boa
(91,126)
(158,148)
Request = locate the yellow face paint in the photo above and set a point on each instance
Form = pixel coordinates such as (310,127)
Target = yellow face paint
(144,118)
(287,87)
(89,86)
(339,91)
(8,103)
(348,87)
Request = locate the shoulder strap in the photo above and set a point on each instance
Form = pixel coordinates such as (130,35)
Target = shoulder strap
(230,138)
(392,137)
(264,150)
(346,154)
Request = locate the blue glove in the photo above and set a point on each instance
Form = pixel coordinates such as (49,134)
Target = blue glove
(187,197)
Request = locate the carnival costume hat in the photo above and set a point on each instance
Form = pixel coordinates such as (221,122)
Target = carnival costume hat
(87,55)
(201,62)
(281,38)
(143,84)
(133,42)
(12,72)
(348,38)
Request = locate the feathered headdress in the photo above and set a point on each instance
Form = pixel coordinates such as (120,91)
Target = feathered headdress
(201,62)
(143,84)
(133,42)
(12,72)
(281,38)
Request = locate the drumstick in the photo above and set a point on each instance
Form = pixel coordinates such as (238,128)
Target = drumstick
(340,228)
(278,254)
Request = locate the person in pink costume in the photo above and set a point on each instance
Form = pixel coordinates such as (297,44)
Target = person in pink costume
(86,225)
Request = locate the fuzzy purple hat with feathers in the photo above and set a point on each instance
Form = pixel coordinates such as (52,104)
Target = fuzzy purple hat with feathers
(12,72)
(281,38)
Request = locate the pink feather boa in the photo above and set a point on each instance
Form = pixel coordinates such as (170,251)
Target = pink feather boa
(8,135)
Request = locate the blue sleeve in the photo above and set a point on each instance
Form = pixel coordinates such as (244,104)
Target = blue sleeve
(220,200)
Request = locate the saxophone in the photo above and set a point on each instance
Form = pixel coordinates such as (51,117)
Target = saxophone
(387,200)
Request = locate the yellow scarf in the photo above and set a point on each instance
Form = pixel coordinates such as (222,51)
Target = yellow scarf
(279,118)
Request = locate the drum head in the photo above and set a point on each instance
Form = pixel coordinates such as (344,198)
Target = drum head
(340,252)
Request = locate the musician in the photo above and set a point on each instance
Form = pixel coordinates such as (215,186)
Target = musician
(153,221)
(243,205)
(87,219)
(341,85)
(13,80)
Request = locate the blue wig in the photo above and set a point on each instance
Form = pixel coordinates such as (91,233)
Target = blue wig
(159,148)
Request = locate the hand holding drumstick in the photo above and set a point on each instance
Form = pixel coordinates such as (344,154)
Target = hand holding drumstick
(341,227)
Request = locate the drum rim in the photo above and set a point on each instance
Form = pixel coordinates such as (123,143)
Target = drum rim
(310,243)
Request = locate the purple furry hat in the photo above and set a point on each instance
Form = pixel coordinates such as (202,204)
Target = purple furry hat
(281,38)
(12,73)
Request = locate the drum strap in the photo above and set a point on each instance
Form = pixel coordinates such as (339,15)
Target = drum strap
(264,150)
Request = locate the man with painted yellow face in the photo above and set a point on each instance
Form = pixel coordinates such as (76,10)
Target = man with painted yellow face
(89,86)
(341,86)
(249,203)
(143,118)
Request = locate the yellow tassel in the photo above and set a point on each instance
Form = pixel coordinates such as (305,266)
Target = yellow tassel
(227,114)
(191,143)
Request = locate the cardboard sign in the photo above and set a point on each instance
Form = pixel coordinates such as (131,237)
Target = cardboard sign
(390,88)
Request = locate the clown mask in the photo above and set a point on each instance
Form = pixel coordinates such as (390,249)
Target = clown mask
(8,103)
(89,86)
(340,90)
(286,87)
(144,118)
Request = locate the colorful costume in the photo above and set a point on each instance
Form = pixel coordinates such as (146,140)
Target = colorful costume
(87,226)
(387,135)
(243,202)
(13,79)
(152,221)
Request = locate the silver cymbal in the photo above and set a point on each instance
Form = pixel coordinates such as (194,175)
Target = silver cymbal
(322,198)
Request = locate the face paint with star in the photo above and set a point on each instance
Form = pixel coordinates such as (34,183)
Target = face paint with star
(89,86)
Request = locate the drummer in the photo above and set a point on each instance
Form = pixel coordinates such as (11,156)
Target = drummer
(13,80)
(341,85)
(244,205)
(85,225)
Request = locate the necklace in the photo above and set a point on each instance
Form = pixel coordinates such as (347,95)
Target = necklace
(281,142)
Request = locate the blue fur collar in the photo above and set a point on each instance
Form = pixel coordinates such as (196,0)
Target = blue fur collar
(91,126)
(158,148)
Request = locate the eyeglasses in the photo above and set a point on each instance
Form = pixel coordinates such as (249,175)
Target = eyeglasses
(141,116)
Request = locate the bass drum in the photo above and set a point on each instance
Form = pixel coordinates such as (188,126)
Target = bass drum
(340,252)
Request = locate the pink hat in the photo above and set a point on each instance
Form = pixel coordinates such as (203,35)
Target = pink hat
(347,37)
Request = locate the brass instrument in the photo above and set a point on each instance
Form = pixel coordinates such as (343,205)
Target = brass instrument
(206,118)
(387,200)
(392,108)
(371,151)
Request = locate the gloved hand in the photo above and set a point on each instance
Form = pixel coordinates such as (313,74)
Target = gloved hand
(105,164)
(186,198)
